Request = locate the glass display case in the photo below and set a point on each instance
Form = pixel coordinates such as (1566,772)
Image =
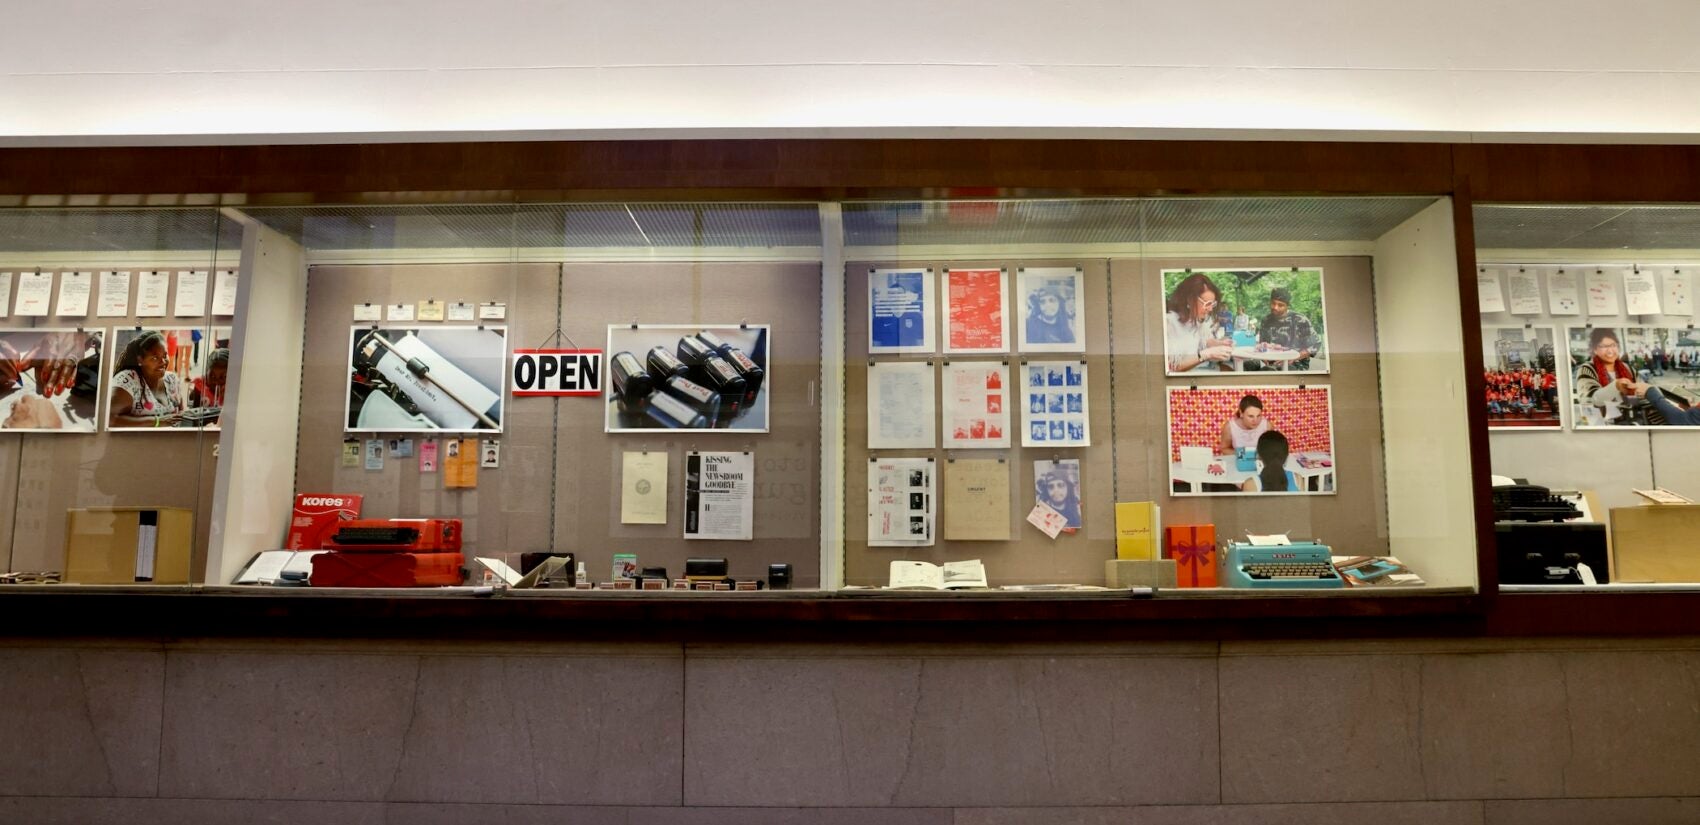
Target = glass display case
(1181,396)
(1592,367)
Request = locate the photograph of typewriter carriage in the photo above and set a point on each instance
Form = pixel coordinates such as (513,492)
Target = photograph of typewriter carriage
(672,377)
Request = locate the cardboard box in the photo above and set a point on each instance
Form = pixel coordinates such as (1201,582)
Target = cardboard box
(1158,573)
(1193,548)
(125,545)
(1656,543)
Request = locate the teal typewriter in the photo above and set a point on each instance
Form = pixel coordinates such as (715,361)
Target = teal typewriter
(1300,564)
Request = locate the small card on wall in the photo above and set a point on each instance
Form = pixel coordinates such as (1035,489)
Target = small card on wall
(224,293)
(431,310)
(398,312)
(114,295)
(460,464)
(1525,292)
(1641,291)
(1563,295)
(368,312)
(35,289)
(492,311)
(1049,521)
(1602,293)
(401,448)
(428,455)
(460,311)
(1488,295)
(191,294)
(1679,293)
(152,290)
(74,290)
(374,454)
(350,453)
(5,293)
(490,454)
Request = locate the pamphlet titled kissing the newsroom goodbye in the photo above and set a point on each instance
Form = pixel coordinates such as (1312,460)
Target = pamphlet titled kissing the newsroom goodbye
(719,495)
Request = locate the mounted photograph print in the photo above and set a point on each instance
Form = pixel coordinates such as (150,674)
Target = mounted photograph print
(901,311)
(1522,378)
(436,379)
(687,377)
(1244,320)
(1051,303)
(1246,440)
(167,380)
(1633,377)
(50,380)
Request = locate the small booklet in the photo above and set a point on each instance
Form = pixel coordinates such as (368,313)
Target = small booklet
(1660,495)
(270,566)
(920,575)
(1375,571)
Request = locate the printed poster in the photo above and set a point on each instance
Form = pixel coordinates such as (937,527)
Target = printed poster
(1487,291)
(1525,291)
(719,495)
(1641,291)
(976,311)
(976,411)
(643,487)
(1052,304)
(902,406)
(1055,395)
(976,500)
(900,306)
(1563,295)
(1602,293)
(900,502)
(1679,293)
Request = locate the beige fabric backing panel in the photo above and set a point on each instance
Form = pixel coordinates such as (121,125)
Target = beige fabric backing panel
(44,475)
(787,458)
(1030,557)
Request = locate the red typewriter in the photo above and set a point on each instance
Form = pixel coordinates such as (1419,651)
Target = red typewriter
(391,553)
(397,535)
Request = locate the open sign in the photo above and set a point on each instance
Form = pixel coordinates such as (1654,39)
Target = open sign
(557,372)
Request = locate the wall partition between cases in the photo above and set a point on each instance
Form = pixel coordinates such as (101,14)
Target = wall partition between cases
(102,305)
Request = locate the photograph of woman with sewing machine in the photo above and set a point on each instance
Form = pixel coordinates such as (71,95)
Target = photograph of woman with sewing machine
(426,379)
(1634,377)
(1251,440)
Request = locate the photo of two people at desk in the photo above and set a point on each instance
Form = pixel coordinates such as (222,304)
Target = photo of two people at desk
(1250,440)
(1635,376)
(1244,320)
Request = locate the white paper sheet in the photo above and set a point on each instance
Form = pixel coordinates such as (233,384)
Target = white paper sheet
(191,294)
(976,404)
(1054,400)
(74,289)
(643,487)
(492,312)
(460,311)
(1525,289)
(152,291)
(368,312)
(1641,291)
(5,294)
(901,502)
(719,495)
(1679,292)
(224,293)
(1049,521)
(1488,295)
(902,406)
(35,291)
(1602,292)
(398,312)
(114,295)
(1563,295)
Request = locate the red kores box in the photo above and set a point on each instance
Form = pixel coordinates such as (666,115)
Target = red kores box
(386,570)
(1193,547)
(317,515)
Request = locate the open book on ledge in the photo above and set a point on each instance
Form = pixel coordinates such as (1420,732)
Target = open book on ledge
(920,575)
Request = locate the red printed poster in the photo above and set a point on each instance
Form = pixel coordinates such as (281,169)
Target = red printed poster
(975,414)
(976,311)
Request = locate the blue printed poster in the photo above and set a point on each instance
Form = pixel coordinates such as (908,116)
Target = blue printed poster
(900,311)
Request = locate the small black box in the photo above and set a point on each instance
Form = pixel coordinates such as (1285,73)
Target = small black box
(779,577)
(1546,553)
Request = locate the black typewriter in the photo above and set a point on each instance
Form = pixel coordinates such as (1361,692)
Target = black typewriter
(1528,502)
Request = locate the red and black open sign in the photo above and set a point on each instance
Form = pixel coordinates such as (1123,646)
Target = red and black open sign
(557,372)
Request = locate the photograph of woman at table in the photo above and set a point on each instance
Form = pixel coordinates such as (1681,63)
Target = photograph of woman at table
(1190,340)
(1244,428)
(1604,383)
(144,392)
(1272,473)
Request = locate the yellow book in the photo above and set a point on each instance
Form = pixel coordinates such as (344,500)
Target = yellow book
(1138,526)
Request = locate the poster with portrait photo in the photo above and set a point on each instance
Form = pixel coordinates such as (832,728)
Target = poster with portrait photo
(1050,309)
(1633,377)
(901,309)
(688,377)
(1523,385)
(50,380)
(436,379)
(167,379)
(1053,393)
(1244,320)
(1056,484)
(1251,440)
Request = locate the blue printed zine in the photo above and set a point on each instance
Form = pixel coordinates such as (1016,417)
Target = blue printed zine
(900,311)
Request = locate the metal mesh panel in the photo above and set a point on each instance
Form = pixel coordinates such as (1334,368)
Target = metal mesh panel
(1587,227)
(124,230)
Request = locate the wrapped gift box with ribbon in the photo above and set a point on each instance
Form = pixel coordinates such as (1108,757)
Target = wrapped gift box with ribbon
(1193,547)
